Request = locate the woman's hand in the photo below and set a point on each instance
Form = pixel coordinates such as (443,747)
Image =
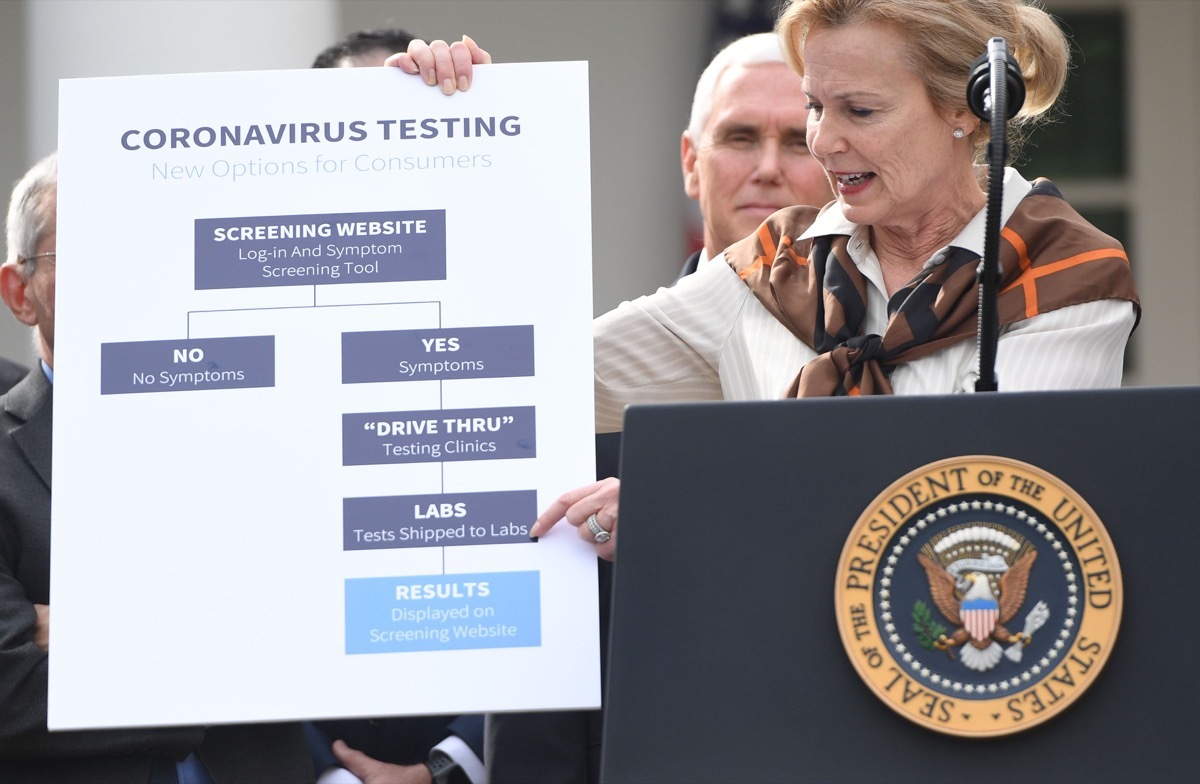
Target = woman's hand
(595,503)
(440,63)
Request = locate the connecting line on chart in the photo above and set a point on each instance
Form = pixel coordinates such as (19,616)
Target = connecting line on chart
(191,313)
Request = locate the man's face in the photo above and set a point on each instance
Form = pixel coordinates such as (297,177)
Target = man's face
(751,158)
(31,298)
(40,290)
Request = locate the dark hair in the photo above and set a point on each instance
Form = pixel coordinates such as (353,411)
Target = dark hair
(362,42)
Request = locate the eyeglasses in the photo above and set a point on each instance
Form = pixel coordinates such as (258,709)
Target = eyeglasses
(48,254)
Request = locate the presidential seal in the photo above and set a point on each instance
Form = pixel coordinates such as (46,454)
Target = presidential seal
(978,596)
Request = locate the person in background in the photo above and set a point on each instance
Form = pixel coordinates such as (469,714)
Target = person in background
(877,294)
(28,751)
(414,749)
(259,753)
(10,374)
(438,63)
(743,157)
(364,48)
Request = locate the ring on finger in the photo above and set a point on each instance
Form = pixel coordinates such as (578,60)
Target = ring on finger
(598,534)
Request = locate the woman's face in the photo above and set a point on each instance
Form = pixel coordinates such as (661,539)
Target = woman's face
(891,158)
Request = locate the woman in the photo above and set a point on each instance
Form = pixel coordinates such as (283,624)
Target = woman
(876,293)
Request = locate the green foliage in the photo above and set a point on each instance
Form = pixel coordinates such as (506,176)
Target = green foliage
(928,630)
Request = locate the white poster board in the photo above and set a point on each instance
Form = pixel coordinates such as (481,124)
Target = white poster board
(323,352)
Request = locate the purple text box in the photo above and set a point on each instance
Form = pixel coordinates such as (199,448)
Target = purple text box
(187,365)
(389,522)
(441,435)
(437,354)
(307,250)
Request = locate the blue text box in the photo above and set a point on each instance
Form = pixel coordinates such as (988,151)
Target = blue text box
(307,250)
(443,612)
(187,365)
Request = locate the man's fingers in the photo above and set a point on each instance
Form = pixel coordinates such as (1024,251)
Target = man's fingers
(448,66)
(423,60)
(352,760)
(478,55)
(403,61)
(460,56)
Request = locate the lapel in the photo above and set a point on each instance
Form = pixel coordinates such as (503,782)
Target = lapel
(689,266)
(29,406)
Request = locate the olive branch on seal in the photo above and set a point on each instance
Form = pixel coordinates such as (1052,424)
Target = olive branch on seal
(928,630)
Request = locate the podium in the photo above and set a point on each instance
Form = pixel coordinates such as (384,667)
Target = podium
(725,660)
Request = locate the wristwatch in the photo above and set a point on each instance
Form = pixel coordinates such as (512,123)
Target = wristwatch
(444,769)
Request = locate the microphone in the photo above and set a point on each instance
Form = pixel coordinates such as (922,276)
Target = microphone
(979,82)
(994,81)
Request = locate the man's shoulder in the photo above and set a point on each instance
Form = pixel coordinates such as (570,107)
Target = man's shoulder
(10,373)
(29,398)
(26,430)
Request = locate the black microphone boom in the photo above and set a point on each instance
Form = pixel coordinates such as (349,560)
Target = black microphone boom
(995,81)
(979,84)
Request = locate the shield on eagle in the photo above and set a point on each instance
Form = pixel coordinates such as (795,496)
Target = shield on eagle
(979,617)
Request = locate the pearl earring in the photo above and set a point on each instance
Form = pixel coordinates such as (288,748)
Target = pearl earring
(959,133)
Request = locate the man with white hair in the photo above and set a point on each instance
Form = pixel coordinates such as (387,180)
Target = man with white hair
(259,753)
(28,751)
(744,154)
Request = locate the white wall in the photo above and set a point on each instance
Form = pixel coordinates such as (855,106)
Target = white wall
(1164,107)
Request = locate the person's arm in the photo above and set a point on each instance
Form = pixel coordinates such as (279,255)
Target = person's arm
(666,347)
(457,762)
(23,695)
(457,758)
(662,348)
(369,770)
(1076,347)
(448,65)
(359,768)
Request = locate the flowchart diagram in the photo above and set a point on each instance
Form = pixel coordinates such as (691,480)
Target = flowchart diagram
(326,433)
(426,612)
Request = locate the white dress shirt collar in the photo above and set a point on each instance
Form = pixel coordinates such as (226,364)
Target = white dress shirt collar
(832,221)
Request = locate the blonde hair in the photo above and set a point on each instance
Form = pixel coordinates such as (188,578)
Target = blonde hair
(945,37)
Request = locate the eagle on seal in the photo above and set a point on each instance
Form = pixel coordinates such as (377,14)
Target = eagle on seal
(963,594)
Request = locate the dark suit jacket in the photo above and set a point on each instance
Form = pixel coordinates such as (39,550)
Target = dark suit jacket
(10,374)
(689,266)
(28,752)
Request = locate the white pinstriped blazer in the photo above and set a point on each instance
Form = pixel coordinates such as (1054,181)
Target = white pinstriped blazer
(708,338)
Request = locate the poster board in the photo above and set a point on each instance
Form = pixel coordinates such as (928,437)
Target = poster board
(323,352)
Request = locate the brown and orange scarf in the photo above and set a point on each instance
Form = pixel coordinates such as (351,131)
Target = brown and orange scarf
(1050,257)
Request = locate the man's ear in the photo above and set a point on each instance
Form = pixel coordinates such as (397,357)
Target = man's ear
(13,291)
(687,158)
